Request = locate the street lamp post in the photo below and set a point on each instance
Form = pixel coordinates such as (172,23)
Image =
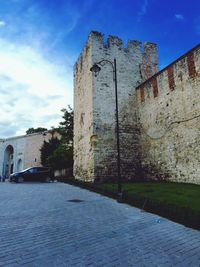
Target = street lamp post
(96,69)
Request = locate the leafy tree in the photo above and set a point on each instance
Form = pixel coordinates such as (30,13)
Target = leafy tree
(48,149)
(66,126)
(58,154)
(36,130)
(62,158)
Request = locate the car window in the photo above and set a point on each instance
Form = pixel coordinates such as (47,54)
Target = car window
(33,170)
(39,169)
(43,169)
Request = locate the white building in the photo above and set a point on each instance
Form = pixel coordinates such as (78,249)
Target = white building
(20,152)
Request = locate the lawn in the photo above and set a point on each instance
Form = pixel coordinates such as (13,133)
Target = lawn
(176,194)
(179,202)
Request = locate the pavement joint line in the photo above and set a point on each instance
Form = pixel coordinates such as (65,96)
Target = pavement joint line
(46,231)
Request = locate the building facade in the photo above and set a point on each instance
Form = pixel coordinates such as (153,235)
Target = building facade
(158,113)
(21,152)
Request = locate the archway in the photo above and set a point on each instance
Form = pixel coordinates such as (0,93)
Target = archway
(19,165)
(8,164)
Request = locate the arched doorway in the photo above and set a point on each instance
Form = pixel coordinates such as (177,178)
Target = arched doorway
(8,165)
(19,165)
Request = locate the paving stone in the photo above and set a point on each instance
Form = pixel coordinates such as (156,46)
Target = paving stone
(40,227)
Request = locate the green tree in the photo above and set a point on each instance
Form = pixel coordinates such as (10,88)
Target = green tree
(66,126)
(62,158)
(36,130)
(48,149)
(58,154)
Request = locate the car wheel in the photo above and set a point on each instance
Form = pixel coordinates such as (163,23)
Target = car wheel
(47,179)
(20,179)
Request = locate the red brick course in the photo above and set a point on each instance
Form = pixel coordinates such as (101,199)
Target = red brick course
(155,87)
(170,73)
(191,65)
(142,96)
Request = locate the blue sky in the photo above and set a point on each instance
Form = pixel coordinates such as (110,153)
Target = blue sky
(40,41)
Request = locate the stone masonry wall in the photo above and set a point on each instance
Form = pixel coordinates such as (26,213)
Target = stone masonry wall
(95,155)
(169,121)
(83,116)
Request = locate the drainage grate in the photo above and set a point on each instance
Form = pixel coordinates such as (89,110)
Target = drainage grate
(75,200)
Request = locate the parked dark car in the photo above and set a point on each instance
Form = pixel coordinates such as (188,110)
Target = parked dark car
(40,174)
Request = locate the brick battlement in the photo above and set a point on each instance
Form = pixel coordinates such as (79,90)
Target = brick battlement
(184,65)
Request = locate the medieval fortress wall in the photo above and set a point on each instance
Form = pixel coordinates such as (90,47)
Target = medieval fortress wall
(169,119)
(83,124)
(159,132)
(21,152)
(94,106)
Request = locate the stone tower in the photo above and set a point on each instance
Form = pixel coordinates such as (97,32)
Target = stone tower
(95,149)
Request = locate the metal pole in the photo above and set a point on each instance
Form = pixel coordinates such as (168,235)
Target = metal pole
(117,129)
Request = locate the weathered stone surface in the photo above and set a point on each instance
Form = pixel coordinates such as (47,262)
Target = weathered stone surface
(95,155)
(170,122)
(159,113)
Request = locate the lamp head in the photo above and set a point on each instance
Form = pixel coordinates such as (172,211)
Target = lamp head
(96,69)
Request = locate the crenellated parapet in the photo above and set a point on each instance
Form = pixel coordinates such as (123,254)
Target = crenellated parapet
(184,68)
(149,64)
(146,55)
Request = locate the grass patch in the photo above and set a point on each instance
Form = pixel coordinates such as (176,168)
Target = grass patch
(176,201)
(178,194)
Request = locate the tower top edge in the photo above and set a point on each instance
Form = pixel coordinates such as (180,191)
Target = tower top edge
(97,40)
(115,40)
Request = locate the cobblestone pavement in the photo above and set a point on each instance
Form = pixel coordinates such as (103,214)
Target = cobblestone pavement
(40,227)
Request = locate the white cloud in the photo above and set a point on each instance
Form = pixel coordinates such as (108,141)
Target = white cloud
(2,23)
(179,16)
(32,89)
(143,10)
